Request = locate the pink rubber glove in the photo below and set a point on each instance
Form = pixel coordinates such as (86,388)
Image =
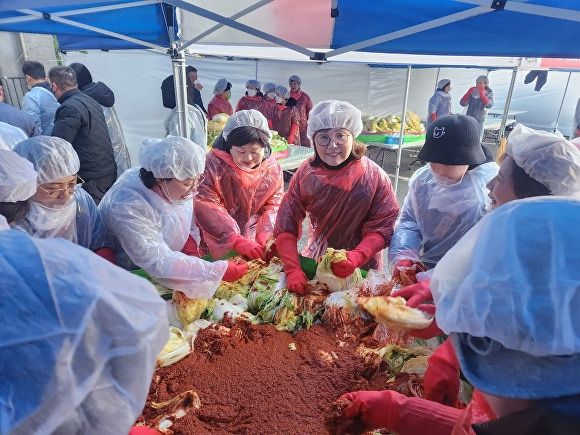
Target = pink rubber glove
(432,330)
(235,271)
(416,293)
(402,264)
(365,250)
(262,239)
(467,94)
(398,413)
(287,245)
(249,248)
(441,380)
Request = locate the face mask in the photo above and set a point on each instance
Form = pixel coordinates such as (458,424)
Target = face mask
(252,92)
(167,195)
(279,99)
(271,95)
(228,95)
(444,181)
(58,221)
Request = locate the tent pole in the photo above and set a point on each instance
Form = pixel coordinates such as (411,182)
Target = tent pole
(508,100)
(562,104)
(437,78)
(402,131)
(178,61)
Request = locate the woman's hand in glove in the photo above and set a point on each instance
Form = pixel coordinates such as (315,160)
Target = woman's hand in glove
(296,281)
(416,294)
(249,248)
(401,265)
(430,331)
(441,380)
(345,268)
(235,271)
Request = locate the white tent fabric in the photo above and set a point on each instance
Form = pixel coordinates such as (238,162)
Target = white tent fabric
(135,76)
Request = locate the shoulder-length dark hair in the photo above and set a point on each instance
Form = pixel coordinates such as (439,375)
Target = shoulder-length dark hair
(241,136)
(359,149)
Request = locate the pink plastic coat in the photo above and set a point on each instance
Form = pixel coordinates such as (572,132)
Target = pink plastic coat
(219,104)
(231,201)
(304,106)
(247,103)
(282,119)
(342,205)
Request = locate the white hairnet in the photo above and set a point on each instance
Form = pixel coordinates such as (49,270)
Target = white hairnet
(79,351)
(295,79)
(269,87)
(172,157)
(282,91)
(220,86)
(254,83)
(17,177)
(334,114)
(10,136)
(515,278)
(547,158)
(53,158)
(484,78)
(246,118)
(443,83)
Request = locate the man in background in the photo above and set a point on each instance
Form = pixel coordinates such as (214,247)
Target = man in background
(80,121)
(39,102)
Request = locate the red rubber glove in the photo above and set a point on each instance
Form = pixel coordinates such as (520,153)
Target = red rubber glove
(482,95)
(262,239)
(441,380)
(433,116)
(235,271)
(401,414)
(365,250)
(249,248)
(106,253)
(270,124)
(467,94)
(432,330)
(190,247)
(293,133)
(402,264)
(416,293)
(287,245)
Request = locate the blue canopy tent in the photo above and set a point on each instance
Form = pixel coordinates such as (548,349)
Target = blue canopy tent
(317,30)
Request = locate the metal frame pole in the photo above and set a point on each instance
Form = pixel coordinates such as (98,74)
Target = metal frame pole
(402,131)
(562,103)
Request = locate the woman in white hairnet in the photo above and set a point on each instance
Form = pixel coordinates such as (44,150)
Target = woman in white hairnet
(10,136)
(508,294)
(303,107)
(447,197)
(238,200)
(252,99)
(17,185)
(348,198)
(60,207)
(478,99)
(76,350)
(285,117)
(220,102)
(149,213)
(536,163)
(440,102)
(269,101)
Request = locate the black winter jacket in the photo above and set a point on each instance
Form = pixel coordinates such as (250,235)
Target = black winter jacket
(80,121)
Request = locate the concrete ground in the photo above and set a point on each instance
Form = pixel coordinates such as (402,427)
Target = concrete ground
(408,156)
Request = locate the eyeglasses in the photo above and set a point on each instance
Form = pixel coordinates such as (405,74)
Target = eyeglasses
(55,193)
(323,139)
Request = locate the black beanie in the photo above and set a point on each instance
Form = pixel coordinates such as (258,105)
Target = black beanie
(453,140)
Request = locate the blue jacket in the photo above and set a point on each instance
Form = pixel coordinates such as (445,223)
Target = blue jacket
(41,103)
